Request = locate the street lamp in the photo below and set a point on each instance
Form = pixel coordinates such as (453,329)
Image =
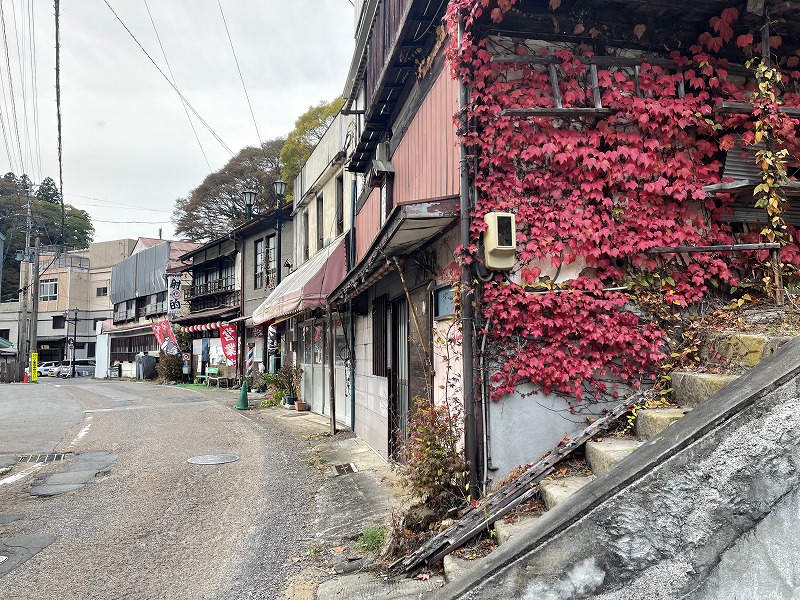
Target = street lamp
(249,196)
(279,187)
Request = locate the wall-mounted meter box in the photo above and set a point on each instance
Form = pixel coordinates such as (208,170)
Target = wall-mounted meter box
(500,241)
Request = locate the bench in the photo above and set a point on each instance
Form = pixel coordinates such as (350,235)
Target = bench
(212,375)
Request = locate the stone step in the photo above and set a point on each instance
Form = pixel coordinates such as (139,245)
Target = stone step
(741,349)
(602,456)
(555,491)
(652,421)
(692,389)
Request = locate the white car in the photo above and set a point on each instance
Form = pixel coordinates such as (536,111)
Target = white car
(44,367)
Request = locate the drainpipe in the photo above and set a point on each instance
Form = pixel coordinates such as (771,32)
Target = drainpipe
(467,312)
(351,260)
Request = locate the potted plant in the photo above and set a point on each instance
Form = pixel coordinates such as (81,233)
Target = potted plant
(273,385)
(297,378)
(287,378)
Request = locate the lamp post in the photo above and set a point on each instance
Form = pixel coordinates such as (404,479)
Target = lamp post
(249,197)
(279,187)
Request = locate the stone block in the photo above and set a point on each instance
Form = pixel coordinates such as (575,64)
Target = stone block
(742,349)
(603,456)
(504,530)
(555,491)
(692,389)
(651,422)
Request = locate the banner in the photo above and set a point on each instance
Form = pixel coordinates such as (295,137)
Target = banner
(165,337)
(227,336)
(174,297)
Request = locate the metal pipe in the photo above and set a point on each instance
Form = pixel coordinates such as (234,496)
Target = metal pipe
(351,261)
(467,313)
(331,369)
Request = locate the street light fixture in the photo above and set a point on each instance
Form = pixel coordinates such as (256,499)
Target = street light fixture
(279,187)
(249,196)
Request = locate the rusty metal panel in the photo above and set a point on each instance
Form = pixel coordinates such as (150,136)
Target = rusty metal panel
(426,160)
(368,223)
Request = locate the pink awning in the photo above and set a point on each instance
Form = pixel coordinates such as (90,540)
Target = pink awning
(308,287)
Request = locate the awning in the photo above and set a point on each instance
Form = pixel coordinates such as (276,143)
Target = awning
(4,343)
(206,316)
(408,228)
(308,287)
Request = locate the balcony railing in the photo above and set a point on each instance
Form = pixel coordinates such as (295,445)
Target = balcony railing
(155,308)
(217,286)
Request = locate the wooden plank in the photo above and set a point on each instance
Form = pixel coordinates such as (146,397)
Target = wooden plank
(598,102)
(554,85)
(556,112)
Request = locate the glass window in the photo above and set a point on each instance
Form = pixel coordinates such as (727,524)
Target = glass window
(306,234)
(102,291)
(258,264)
(319,343)
(59,321)
(320,223)
(307,344)
(339,206)
(48,289)
(443,305)
(272,262)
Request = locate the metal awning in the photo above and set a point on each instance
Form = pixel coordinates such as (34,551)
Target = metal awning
(408,228)
(308,287)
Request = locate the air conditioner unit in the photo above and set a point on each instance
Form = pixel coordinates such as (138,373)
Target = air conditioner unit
(380,166)
(500,241)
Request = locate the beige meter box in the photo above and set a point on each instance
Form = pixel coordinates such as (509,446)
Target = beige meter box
(500,241)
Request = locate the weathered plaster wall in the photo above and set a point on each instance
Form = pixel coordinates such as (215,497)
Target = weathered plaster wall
(680,515)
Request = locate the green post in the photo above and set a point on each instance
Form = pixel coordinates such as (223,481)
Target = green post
(242,404)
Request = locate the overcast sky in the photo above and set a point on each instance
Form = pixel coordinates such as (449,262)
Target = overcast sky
(128,147)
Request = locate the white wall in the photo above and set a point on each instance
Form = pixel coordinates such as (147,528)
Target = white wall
(372,393)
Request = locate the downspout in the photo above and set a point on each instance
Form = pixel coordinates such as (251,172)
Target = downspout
(241,324)
(351,260)
(467,312)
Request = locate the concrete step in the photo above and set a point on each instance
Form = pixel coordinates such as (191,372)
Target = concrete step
(692,389)
(652,421)
(741,349)
(504,530)
(555,491)
(604,455)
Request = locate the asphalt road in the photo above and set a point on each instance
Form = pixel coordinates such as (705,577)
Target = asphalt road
(145,523)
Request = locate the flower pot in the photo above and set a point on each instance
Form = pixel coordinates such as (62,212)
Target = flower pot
(290,400)
(300,405)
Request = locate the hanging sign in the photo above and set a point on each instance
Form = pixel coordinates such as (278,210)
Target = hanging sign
(174,298)
(227,336)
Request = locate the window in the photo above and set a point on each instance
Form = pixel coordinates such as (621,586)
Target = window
(339,206)
(306,233)
(59,322)
(102,291)
(5,334)
(443,305)
(320,222)
(379,361)
(48,290)
(272,262)
(258,264)
(91,352)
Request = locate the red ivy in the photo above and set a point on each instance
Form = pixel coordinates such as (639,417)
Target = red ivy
(605,191)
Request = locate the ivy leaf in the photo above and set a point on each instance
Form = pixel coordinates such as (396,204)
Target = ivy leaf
(639,30)
(744,40)
(554,4)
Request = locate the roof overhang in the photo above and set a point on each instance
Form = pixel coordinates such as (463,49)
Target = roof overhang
(408,228)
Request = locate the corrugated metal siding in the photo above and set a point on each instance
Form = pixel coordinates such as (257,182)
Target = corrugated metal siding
(426,160)
(368,223)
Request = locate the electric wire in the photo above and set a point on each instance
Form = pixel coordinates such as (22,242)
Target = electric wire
(182,97)
(35,87)
(175,83)
(239,69)
(19,39)
(11,88)
(106,202)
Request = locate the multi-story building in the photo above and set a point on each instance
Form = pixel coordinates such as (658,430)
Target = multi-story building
(139,292)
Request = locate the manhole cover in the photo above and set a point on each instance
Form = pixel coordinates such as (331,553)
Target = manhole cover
(344,469)
(213,459)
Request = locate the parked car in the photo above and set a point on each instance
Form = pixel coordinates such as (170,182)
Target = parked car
(53,371)
(44,367)
(84,367)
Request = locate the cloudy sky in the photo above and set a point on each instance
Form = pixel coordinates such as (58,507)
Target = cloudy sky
(128,146)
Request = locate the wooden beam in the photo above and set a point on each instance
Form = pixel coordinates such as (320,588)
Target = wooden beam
(723,248)
(556,112)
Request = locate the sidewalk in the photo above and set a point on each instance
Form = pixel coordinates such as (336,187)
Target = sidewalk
(359,489)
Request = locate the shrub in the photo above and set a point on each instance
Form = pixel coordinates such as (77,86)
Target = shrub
(169,367)
(371,539)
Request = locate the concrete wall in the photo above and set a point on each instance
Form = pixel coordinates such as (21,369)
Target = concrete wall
(372,393)
(691,514)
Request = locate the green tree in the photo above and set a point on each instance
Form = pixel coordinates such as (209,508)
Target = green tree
(216,205)
(301,141)
(46,220)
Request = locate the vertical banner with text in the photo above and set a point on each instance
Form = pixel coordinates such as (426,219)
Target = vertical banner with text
(174,295)
(165,337)
(227,336)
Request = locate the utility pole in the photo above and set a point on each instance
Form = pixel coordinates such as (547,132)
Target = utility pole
(34,346)
(23,331)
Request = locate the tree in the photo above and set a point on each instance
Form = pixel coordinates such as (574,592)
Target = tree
(301,141)
(46,218)
(216,205)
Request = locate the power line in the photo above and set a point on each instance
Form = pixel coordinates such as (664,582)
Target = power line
(11,88)
(197,114)
(19,38)
(35,82)
(238,68)
(175,83)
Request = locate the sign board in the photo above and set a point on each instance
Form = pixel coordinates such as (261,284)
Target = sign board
(34,366)
(174,299)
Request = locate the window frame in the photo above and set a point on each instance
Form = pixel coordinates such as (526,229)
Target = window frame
(53,293)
